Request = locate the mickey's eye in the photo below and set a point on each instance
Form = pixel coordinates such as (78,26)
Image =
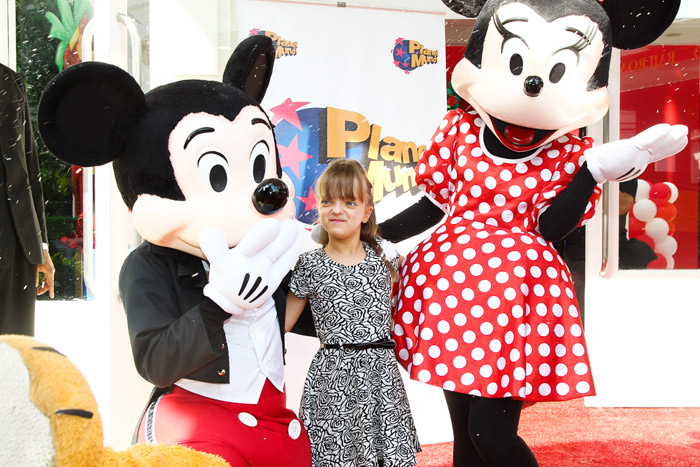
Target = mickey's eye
(259,158)
(213,171)
(513,55)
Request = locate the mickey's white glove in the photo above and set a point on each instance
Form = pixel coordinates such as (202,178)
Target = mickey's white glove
(245,276)
(626,159)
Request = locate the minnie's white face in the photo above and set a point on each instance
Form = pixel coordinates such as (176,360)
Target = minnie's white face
(218,164)
(534,76)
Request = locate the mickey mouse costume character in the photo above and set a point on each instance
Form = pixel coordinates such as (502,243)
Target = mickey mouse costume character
(486,308)
(196,162)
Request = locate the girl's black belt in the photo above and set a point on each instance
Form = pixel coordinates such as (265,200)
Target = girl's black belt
(384,344)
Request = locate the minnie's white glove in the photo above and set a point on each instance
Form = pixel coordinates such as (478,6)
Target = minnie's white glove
(626,159)
(245,276)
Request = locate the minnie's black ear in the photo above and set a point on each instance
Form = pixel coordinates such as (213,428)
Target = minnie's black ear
(467,8)
(636,23)
(250,66)
(87,112)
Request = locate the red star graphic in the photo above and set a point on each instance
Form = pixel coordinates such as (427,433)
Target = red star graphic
(400,52)
(287,110)
(309,201)
(253,32)
(398,41)
(291,156)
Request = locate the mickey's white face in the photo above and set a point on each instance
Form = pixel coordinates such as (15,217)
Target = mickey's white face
(534,76)
(218,164)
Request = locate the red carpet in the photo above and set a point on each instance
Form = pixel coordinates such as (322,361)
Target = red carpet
(568,434)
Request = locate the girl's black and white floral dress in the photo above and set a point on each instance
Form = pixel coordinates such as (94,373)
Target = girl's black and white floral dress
(354,404)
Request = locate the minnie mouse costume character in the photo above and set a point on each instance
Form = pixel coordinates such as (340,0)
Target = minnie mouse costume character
(197,164)
(486,308)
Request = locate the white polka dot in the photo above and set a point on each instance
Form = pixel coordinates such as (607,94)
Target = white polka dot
(460,319)
(418,359)
(408,292)
(488,248)
(484,208)
(576,330)
(581,369)
(514,256)
(505,175)
(583,387)
(502,320)
(403,354)
(510,337)
(475,191)
(544,350)
(451,345)
(505,380)
(486,328)
(467,379)
(424,376)
(495,346)
(508,243)
(494,302)
(514,355)
(536,272)
(519,374)
(469,175)
(554,290)
(469,337)
(519,271)
(476,269)
(563,389)
(495,262)
(560,350)
(418,305)
(434,309)
(499,200)
(542,329)
(484,286)
(443,284)
(517,311)
(468,294)
(545,389)
(515,191)
(539,290)
(443,327)
(459,362)
(451,260)
(427,293)
(398,330)
(420,280)
(557,310)
(451,302)
(561,369)
(482,166)
(559,330)
(407,317)
(486,371)
(434,351)
(438,177)
(477,311)
(463,239)
(545,369)
(509,293)
(469,254)
(490,183)
(579,350)
(492,388)
(426,334)
(435,269)
(459,277)
(478,354)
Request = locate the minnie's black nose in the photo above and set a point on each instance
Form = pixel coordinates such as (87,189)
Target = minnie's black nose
(533,86)
(270,196)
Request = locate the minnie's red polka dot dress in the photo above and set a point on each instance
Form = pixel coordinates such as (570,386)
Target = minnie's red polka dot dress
(486,305)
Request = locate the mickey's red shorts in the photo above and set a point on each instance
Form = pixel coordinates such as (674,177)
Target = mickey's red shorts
(259,435)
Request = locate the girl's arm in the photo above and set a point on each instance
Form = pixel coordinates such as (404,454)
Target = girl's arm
(295,306)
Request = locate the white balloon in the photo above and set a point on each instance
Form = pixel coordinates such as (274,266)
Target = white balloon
(657,229)
(643,188)
(674,192)
(644,210)
(666,246)
(670,263)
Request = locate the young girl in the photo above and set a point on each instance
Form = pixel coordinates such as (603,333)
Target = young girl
(354,405)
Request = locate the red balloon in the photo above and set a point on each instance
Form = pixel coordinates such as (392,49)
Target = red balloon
(666,211)
(660,193)
(659,263)
(671,228)
(648,240)
(636,227)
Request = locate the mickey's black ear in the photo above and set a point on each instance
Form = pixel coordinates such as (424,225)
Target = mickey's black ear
(250,66)
(636,23)
(87,112)
(467,8)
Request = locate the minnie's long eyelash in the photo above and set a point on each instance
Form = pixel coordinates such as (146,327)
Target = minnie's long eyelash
(503,31)
(586,38)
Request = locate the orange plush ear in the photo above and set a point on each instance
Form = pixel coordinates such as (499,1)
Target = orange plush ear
(160,455)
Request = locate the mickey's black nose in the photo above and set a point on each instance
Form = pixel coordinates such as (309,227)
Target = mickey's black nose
(533,86)
(270,196)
